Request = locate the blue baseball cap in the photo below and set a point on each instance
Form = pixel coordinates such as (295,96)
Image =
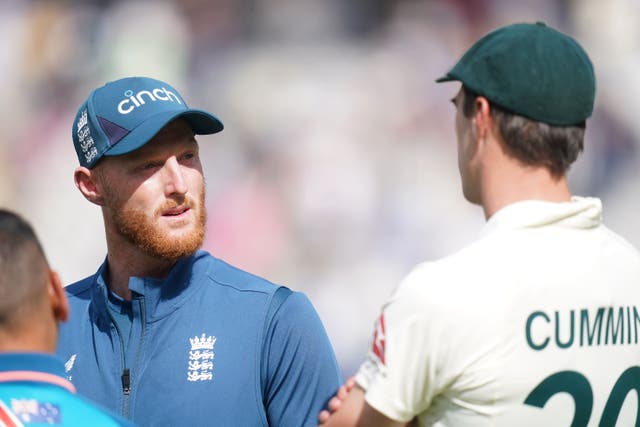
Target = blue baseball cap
(125,114)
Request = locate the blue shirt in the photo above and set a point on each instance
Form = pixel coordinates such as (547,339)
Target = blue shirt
(209,345)
(34,391)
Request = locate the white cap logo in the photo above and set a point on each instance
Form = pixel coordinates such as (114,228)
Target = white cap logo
(133,101)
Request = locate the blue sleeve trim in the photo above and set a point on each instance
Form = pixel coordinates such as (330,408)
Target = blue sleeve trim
(299,372)
(278,298)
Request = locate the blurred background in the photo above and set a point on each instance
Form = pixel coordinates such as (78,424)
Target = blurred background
(336,171)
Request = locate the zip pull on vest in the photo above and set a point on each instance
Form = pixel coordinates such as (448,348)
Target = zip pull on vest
(126,381)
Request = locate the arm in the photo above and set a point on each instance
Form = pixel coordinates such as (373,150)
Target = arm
(299,369)
(354,411)
(398,372)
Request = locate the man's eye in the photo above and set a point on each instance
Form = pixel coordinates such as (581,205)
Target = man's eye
(188,157)
(150,166)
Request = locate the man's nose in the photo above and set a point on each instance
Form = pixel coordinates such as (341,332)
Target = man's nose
(175,182)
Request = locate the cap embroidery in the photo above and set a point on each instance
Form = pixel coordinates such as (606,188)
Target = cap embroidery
(87,145)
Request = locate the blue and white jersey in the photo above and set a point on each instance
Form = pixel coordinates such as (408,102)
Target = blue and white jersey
(208,345)
(34,392)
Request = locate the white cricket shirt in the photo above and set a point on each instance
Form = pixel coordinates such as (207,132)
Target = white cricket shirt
(537,323)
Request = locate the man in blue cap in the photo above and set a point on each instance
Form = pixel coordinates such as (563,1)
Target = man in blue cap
(164,333)
(33,386)
(536,323)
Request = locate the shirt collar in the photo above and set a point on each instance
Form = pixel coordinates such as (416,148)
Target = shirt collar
(161,296)
(578,213)
(141,285)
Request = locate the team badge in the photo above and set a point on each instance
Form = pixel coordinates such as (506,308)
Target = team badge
(201,358)
(379,340)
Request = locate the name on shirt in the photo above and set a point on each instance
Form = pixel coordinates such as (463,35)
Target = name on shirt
(583,327)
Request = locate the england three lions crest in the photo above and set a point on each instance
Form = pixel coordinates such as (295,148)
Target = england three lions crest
(201,358)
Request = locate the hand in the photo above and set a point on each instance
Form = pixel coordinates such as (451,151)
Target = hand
(336,401)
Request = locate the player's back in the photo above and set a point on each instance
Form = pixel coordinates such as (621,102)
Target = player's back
(576,329)
(535,324)
(555,317)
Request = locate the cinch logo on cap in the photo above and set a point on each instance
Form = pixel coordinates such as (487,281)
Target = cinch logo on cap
(132,101)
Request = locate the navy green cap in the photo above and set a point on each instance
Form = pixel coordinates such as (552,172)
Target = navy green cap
(531,70)
(125,114)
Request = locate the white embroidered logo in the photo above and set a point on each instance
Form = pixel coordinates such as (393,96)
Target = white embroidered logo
(201,358)
(87,145)
(133,101)
(69,365)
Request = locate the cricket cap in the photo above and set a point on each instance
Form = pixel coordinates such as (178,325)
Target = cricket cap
(125,114)
(531,70)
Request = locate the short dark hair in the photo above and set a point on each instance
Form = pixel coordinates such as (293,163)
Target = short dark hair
(534,143)
(23,269)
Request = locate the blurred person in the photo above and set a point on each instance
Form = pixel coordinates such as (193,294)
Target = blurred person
(536,323)
(165,333)
(33,386)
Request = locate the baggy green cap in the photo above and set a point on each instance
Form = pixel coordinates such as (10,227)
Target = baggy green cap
(531,70)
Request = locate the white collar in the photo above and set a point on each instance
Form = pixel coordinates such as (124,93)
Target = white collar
(580,212)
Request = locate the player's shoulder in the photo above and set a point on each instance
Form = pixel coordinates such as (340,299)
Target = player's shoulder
(70,409)
(221,273)
(80,289)
(283,303)
(463,275)
(293,305)
(624,247)
(458,264)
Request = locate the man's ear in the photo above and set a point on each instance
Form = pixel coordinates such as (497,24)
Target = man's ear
(85,180)
(58,298)
(482,115)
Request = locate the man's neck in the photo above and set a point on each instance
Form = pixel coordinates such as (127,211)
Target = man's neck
(35,336)
(521,183)
(126,261)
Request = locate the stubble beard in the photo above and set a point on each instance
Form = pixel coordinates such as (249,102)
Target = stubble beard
(136,227)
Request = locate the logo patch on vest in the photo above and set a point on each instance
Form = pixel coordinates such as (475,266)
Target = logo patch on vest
(68,366)
(201,358)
